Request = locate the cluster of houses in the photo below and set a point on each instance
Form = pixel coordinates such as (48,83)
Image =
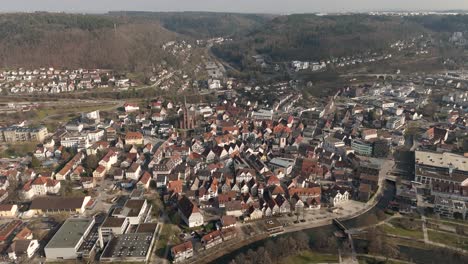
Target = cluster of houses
(51,80)
(339,62)
(250,154)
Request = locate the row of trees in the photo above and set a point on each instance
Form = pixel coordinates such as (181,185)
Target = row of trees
(275,250)
(381,245)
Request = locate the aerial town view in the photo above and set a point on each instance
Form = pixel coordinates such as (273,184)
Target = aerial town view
(237,132)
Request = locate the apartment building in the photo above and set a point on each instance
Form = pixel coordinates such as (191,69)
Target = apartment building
(23,134)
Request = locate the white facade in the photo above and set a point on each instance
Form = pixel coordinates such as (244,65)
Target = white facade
(340,198)
(31,249)
(95,135)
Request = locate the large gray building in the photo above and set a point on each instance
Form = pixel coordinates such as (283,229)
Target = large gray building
(446,175)
(65,244)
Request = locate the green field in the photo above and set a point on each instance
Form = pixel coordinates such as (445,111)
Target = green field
(399,231)
(17,149)
(448,239)
(368,260)
(311,257)
(168,237)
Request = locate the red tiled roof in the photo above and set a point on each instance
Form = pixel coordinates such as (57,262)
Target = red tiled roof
(6,207)
(305,191)
(44,181)
(182,247)
(24,233)
(175,186)
(133,135)
(211,236)
(145,178)
(273,180)
(100,169)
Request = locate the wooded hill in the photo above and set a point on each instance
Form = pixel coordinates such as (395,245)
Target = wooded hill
(311,37)
(132,40)
(119,40)
(202,24)
(69,40)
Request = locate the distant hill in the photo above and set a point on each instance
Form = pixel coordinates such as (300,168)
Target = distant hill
(311,37)
(202,24)
(132,40)
(118,40)
(442,24)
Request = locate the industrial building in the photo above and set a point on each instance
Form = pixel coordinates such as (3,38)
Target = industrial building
(65,244)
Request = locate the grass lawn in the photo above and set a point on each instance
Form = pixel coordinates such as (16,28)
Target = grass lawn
(448,239)
(399,231)
(52,117)
(397,221)
(367,260)
(311,257)
(410,243)
(64,113)
(169,237)
(438,225)
(18,149)
(452,222)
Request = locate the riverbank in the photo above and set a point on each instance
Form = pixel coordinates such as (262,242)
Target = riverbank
(387,195)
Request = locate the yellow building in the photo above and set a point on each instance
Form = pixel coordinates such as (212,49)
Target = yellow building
(134,138)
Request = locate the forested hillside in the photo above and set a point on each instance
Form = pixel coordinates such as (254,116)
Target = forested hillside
(133,40)
(66,40)
(312,37)
(119,40)
(202,24)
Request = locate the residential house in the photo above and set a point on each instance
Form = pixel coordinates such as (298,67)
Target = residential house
(189,212)
(233,208)
(129,107)
(336,195)
(99,172)
(212,239)
(109,159)
(40,187)
(182,251)
(8,210)
(134,172)
(20,248)
(145,180)
(134,138)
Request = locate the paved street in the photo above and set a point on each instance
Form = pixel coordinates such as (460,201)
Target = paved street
(103,198)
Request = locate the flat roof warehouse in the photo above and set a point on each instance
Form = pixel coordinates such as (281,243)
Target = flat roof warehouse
(70,234)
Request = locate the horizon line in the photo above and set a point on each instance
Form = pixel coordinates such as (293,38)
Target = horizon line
(446,11)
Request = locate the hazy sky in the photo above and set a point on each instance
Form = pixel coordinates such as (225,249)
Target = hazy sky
(264,6)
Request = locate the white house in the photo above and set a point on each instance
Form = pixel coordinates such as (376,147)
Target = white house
(190,213)
(182,252)
(340,197)
(20,248)
(39,187)
(134,171)
(109,159)
(131,107)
